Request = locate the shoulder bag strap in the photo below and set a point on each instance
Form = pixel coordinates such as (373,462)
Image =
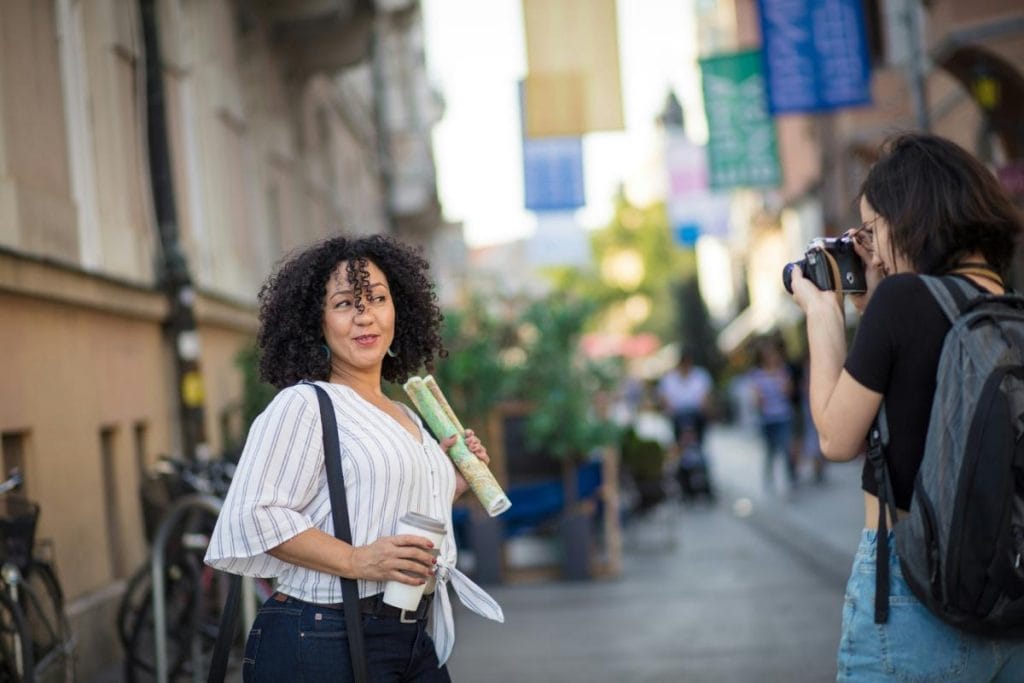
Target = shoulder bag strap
(343,530)
(226,631)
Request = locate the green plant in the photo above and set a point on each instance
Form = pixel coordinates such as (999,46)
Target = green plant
(559,384)
(473,377)
(256,394)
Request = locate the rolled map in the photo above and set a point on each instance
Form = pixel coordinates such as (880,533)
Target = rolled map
(435,410)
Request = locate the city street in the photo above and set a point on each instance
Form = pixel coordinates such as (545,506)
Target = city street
(747,590)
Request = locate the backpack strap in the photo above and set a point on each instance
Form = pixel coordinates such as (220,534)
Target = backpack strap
(878,439)
(951,293)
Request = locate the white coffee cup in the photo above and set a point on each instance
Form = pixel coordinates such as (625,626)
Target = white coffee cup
(402,595)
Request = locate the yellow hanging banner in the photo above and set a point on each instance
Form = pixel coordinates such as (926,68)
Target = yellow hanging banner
(573,85)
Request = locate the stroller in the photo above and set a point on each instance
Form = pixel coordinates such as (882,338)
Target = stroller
(692,470)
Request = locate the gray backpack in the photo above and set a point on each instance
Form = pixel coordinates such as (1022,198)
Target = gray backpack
(962,547)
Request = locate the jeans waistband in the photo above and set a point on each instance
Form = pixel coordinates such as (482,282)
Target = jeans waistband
(372,604)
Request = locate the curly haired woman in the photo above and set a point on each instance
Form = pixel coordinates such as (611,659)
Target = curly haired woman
(346,314)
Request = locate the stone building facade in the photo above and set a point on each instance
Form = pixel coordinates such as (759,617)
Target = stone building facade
(287,122)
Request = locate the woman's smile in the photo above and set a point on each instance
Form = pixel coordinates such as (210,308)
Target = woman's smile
(367,340)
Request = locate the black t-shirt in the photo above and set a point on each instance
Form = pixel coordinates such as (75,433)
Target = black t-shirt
(896,353)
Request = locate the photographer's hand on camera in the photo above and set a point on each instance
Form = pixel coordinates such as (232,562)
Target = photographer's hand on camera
(813,301)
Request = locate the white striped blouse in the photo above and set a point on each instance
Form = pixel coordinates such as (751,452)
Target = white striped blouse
(280,490)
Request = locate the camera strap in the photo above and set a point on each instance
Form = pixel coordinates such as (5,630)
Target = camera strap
(837,281)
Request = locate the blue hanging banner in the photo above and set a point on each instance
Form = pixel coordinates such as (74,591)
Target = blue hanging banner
(552,170)
(553,174)
(815,55)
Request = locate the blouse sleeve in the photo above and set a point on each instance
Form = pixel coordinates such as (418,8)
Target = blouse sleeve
(273,489)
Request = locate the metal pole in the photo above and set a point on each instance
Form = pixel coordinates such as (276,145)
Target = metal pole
(180,508)
(248,603)
(917,62)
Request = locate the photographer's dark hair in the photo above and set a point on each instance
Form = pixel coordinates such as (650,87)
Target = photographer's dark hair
(941,204)
(290,337)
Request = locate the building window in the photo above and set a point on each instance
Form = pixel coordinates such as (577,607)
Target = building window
(139,431)
(323,132)
(112,508)
(12,453)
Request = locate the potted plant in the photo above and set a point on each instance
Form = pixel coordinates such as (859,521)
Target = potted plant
(560,387)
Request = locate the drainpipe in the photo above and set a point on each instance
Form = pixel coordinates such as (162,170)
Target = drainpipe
(173,274)
(380,113)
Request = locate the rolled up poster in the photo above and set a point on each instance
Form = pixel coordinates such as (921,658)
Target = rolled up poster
(436,412)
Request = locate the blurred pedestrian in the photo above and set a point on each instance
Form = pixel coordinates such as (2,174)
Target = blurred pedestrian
(772,386)
(345,313)
(926,207)
(810,449)
(684,393)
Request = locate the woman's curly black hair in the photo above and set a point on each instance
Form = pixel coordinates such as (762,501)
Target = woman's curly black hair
(290,337)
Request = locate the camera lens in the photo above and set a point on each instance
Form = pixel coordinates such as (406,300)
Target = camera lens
(787,273)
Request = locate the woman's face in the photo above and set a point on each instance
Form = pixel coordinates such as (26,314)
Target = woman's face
(875,229)
(358,339)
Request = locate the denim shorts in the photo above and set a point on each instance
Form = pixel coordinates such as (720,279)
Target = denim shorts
(295,640)
(914,645)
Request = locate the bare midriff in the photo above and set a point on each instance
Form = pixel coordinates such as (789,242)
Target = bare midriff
(871,512)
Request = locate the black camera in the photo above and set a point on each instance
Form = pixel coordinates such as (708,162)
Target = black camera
(815,266)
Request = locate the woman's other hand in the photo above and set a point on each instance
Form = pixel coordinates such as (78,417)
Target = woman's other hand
(872,272)
(476,447)
(389,558)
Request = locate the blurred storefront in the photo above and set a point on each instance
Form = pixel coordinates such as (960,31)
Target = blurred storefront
(286,122)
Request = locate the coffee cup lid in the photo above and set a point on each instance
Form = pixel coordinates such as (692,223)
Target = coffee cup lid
(423,522)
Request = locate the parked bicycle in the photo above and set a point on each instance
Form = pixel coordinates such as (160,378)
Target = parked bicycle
(194,593)
(36,642)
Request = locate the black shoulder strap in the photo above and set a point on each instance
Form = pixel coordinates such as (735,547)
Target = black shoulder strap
(226,632)
(878,439)
(349,587)
(343,530)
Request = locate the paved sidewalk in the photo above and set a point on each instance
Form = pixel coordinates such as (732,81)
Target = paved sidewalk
(748,590)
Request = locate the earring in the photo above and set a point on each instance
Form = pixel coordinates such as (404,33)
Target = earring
(327,351)
(392,353)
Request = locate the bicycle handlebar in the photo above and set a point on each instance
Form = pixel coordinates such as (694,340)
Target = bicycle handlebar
(12,482)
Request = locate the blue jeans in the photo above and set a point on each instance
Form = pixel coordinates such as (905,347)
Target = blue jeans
(776,436)
(299,641)
(914,645)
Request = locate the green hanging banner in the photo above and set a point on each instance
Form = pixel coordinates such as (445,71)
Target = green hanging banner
(741,134)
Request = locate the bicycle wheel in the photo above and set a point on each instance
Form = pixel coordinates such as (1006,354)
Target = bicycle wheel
(136,593)
(42,601)
(180,604)
(16,662)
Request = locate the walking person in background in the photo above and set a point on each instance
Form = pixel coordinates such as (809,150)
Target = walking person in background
(345,314)
(927,207)
(772,386)
(684,393)
(810,449)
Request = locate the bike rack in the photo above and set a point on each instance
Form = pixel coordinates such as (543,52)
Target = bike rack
(179,509)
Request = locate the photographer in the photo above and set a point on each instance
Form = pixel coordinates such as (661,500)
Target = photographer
(927,207)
